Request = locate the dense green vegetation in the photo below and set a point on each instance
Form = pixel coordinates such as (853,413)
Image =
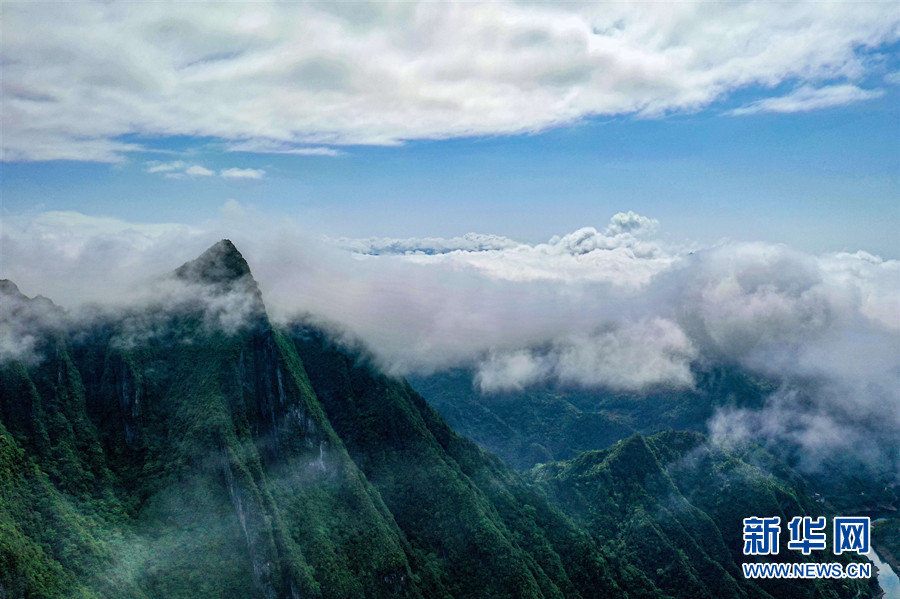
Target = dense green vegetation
(158,453)
(548,422)
(674,506)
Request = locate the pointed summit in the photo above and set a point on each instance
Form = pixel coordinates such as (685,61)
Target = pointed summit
(223,270)
(220,264)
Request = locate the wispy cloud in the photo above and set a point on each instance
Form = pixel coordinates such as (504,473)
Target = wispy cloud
(177,169)
(198,171)
(620,355)
(165,167)
(806,98)
(267,146)
(305,77)
(242,173)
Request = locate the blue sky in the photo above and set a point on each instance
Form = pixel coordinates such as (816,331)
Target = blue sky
(813,161)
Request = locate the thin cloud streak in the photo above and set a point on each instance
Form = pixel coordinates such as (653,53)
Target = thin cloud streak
(807,98)
(262,146)
(242,173)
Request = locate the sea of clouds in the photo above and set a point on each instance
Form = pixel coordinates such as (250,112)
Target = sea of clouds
(608,308)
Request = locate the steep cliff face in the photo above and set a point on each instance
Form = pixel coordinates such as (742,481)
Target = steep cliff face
(474,528)
(194,450)
(197,430)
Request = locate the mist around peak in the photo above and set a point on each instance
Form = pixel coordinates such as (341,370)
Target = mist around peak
(614,309)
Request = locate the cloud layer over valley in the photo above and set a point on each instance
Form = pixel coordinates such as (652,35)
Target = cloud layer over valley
(611,307)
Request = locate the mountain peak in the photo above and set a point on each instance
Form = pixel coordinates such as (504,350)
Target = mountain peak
(222,263)
(223,270)
(7,287)
(11,291)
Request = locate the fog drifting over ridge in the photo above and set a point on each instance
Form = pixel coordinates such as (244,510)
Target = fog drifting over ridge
(611,307)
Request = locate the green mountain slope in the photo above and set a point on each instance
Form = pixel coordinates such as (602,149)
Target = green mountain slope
(674,506)
(548,422)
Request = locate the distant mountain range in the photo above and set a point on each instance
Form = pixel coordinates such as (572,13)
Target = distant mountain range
(191,448)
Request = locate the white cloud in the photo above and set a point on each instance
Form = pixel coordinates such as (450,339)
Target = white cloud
(512,371)
(627,356)
(198,171)
(155,166)
(818,425)
(806,98)
(615,309)
(179,170)
(242,173)
(620,258)
(629,223)
(52,252)
(23,322)
(302,76)
(26,144)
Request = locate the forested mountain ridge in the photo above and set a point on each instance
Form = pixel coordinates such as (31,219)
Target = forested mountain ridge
(550,422)
(190,448)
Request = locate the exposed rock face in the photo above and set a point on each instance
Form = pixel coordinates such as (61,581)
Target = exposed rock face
(253,524)
(270,394)
(128,388)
